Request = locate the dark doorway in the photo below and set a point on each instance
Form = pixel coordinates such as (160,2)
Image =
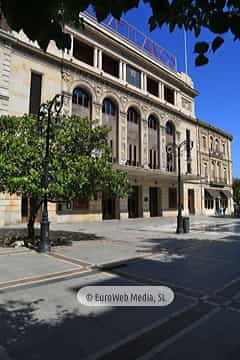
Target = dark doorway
(133,203)
(191,202)
(25,210)
(153,201)
(109,207)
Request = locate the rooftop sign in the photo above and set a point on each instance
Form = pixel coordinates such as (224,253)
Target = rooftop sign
(139,39)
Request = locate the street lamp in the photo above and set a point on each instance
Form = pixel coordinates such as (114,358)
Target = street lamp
(46,110)
(171,148)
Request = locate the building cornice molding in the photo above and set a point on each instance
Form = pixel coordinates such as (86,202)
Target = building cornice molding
(214,129)
(19,44)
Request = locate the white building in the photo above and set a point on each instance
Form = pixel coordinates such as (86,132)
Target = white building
(117,76)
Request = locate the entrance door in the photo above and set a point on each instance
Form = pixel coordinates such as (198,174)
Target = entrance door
(191,202)
(153,203)
(25,210)
(109,207)
(133,203)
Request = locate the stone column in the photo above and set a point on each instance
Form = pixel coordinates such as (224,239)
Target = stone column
(52,212)
(10,209)
(67,103)
(120,70)
(5,78)
(100,59)
(162,137)
(160,90)
(122,138)
(124,71)
(145,201)
(97,113)
(95,61)
(124,208)
(144,143)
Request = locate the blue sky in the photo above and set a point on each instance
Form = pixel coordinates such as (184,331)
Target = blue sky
(218,82)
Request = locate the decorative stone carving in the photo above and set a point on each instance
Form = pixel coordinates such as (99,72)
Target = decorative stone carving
(98,108)
(67,76)
(67,99)
(124,100)
(99,91)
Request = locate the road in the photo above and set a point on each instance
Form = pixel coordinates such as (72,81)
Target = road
(42,319)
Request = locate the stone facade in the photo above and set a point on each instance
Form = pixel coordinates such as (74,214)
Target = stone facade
(138,147)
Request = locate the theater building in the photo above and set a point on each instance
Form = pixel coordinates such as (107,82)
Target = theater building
(115,75)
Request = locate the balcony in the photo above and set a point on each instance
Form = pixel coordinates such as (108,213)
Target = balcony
(216,181)
(216,153)
(133,163)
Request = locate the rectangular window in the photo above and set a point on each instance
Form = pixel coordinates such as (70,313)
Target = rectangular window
(35,93)
(188,146)
(133,76)
(135,155)
(208,201)
(223,148)
(169,95)
(110,65)
(83,52)
(150,158)
(204,141)
(152,87)
(24,206)
(172,198)
(130,154)
(188,140)
(73,205)
(225,175)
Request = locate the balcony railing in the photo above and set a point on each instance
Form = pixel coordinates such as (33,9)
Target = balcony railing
(153,166)
(137,38)
(216,153)
(133,163)
(218,180)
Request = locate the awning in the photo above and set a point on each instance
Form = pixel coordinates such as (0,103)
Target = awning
(227,193)
(214,193)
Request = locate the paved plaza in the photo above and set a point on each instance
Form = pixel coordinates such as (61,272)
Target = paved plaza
(40,317)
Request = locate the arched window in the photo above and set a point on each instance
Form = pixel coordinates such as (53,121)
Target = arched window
(153,142)
(170,128)
(152,122)
(133,137)
(110,119)
(108,107)
(211,143)
(170,139)
(133,115)
(81,103)
(216,145)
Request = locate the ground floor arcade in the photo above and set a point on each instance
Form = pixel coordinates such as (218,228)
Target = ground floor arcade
(151,195)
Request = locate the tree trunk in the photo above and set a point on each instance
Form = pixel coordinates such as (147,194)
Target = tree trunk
(34,207)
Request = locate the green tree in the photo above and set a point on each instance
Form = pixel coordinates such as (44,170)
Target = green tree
(80,165)
(43,20)
(236,191)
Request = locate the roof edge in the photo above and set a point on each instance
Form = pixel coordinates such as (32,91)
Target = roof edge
(216,129)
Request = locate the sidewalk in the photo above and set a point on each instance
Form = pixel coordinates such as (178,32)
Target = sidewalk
(108,244)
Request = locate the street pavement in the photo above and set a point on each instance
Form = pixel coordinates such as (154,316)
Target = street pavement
(40,318)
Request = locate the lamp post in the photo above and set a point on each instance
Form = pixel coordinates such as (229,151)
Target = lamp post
(171,148)
(47,110)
